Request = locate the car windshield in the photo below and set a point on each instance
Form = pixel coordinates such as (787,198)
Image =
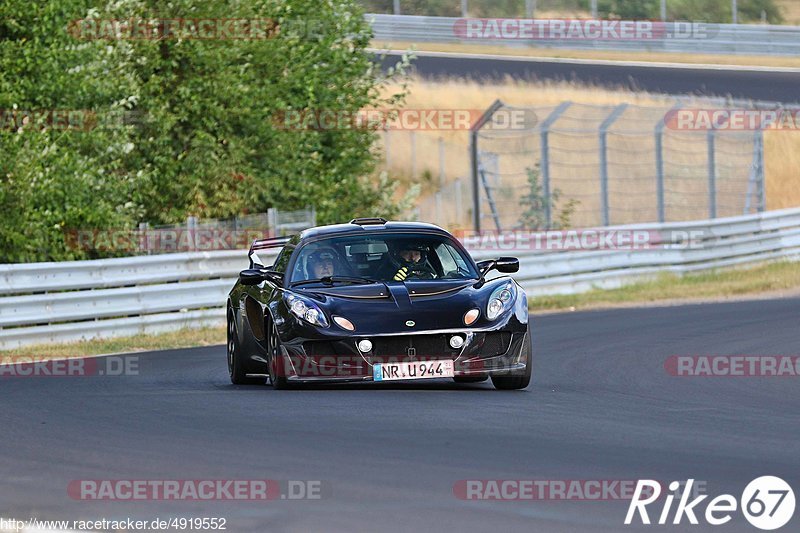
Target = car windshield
(383,257)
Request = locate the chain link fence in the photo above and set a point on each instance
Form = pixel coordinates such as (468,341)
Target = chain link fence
(216,234)
(578,165)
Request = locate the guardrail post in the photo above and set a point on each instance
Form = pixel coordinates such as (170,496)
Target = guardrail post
(473,156)
(544,162)
(712,173)
(607,123)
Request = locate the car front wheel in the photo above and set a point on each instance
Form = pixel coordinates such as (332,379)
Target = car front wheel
(277,365)
(517,380)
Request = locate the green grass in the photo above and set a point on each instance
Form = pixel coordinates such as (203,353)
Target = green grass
(720,284)
(185,338)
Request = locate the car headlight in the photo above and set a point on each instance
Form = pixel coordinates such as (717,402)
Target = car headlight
(305,309)
(501,300)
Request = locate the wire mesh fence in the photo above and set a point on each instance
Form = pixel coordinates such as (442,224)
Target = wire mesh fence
(216,234)
(584,165)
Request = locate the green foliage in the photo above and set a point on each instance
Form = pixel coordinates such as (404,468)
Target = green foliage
(198,134)
(535,205)
(57,177)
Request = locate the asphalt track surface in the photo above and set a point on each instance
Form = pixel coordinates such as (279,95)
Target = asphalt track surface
(758,85)
(600,406)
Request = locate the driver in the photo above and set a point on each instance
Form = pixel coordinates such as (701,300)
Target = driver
(412,261)
(321,263)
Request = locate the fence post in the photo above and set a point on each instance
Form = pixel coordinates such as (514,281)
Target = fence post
(457,187)
(544,164)
(663,10)
(712,173)
(490,198)
(441,163)
(530,8)
(191,229)
(762,193)
(607,123)
(473,156)
(144,236)
(272,221)
(413,141)
(660,163)
(660,171)
(396,7)
(386,149)
(594,9)
(464,8)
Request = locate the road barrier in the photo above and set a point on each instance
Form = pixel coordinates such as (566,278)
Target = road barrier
(681,37)
(68,301)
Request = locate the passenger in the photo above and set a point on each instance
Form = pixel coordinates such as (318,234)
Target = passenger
(322,263)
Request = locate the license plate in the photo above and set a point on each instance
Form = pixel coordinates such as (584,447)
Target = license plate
(412,370)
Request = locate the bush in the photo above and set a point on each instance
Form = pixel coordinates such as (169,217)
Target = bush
(197,134)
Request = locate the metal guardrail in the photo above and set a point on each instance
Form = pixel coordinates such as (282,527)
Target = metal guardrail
(746,39)
(61,302)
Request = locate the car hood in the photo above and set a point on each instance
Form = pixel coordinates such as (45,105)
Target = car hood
(397,307)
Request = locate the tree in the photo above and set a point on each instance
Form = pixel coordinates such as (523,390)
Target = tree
(59,169)
(536,203)
(184,126)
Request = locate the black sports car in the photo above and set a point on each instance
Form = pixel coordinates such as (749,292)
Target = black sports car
(376,301)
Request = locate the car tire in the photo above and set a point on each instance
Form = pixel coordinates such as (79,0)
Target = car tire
(520,380)
(236,369)
(470,379)
(274,356)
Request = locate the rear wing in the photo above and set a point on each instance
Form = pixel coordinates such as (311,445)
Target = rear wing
(265,244)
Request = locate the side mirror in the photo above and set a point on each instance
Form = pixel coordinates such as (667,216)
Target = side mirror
(252,276)
(507,265)
(485,266)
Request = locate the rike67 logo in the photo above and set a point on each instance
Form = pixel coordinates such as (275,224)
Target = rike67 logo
(767,503)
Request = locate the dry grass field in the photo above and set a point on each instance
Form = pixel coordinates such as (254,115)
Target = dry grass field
(791,11)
